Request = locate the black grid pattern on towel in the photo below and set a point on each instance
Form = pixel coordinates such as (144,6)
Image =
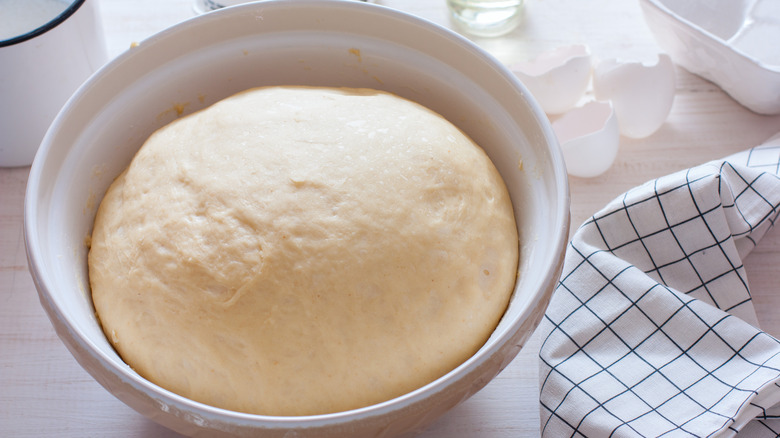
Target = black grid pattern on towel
(649,330)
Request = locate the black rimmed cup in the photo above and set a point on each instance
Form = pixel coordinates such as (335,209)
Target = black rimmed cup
(43,63)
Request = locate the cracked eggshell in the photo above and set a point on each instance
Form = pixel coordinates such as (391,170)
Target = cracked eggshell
(558,78)
(641,94)
(589,138)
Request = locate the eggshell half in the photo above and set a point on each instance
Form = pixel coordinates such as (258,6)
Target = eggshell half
(641,94)
(558,78)
(589,138)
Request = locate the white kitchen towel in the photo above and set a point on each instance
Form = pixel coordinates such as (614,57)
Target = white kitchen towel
(651,330)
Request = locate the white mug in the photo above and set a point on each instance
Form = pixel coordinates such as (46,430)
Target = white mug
(43,62)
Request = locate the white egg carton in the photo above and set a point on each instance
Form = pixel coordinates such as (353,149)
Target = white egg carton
(733,43)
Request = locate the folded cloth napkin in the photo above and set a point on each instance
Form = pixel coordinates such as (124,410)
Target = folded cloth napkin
(651,330)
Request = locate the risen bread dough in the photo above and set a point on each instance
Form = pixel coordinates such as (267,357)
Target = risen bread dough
(296,251)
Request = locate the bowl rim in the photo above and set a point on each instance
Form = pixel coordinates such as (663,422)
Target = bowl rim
(46,285)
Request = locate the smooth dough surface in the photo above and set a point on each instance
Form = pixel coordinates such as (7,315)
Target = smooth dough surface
(298,251)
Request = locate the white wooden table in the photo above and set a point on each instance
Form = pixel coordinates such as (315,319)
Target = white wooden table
(44,392)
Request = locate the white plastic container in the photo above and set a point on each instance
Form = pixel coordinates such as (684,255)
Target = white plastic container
(735,44)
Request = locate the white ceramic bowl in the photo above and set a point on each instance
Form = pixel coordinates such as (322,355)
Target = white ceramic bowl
(734,44)
(307,42)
